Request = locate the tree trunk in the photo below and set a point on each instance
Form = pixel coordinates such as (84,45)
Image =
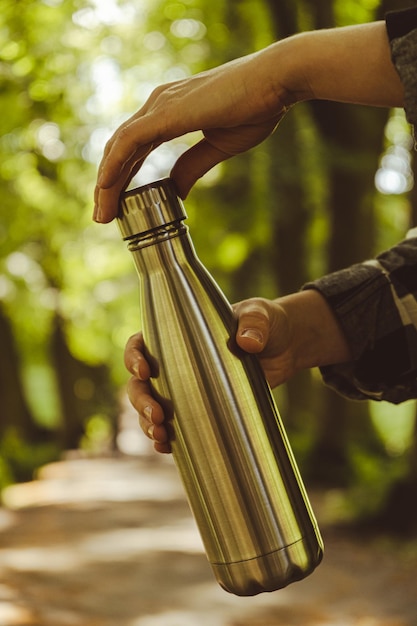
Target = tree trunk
(84,390)
(23,443)
(399,512)
(290,217)
(14,410)
(353,137)
(352,141)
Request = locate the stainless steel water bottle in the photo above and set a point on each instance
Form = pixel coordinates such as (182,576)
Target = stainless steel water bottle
(228,441)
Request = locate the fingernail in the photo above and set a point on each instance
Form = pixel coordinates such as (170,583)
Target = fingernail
(150,431)
(147,412)
(252,333)
(97,215)
(135,368)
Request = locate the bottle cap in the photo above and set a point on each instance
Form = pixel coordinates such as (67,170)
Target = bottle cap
(149,207)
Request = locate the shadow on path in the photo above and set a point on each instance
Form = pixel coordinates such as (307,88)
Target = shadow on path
(111,542)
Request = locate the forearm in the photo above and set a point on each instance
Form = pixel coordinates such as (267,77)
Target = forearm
(350,64)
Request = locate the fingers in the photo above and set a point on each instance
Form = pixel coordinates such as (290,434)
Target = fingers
(124,155)
(116,169)
(134,359)
(114,177)
(126,151)
(151,416)
(191,166)
(124,143)
(131,145)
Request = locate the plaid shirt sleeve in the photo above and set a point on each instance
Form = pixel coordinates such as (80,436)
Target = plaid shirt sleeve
(376,305)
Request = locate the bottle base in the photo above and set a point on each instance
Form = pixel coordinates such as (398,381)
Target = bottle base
(272,571)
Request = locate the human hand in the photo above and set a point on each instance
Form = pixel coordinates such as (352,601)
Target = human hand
(139,391)
(236,106)
(263,329)
(288,334)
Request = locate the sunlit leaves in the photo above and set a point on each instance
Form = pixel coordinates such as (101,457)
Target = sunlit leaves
(232,251)
(355,11)
(70,73)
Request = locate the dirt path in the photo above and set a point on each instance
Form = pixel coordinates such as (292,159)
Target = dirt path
(110,542)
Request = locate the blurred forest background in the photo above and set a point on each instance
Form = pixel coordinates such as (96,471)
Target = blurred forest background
(334,185)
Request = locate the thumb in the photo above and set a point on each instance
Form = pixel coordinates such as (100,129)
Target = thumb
(194,163)
(253,325)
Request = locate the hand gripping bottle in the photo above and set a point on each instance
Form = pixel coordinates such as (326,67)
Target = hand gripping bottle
(228,441)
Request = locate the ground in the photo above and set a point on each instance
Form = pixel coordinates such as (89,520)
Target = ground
(109,541)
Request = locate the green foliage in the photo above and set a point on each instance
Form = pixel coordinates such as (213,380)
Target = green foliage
(355,11)
(20,459)
(53,259)
(70,72)
(98,434)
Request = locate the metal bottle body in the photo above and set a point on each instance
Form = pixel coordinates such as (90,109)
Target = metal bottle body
(228,441)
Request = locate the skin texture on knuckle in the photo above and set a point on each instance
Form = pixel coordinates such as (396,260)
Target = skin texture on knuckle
(122,146)
(254,311)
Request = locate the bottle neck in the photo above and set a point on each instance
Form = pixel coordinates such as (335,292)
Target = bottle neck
(156,236)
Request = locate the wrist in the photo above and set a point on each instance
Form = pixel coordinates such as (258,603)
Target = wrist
(316,337)
(285,65)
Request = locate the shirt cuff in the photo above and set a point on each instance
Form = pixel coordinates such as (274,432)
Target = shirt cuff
(375,304)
